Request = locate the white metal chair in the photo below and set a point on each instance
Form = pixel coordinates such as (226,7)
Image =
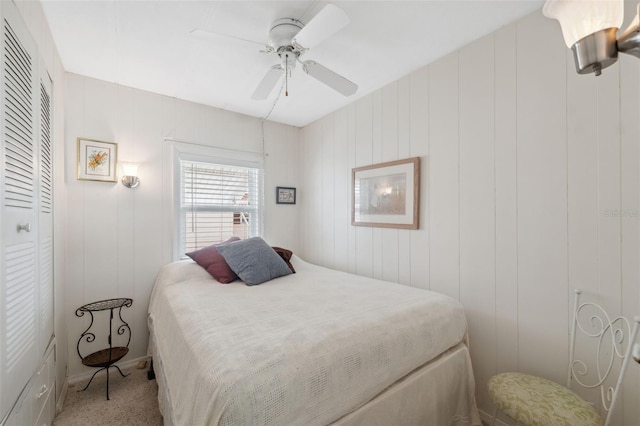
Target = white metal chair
(532,400)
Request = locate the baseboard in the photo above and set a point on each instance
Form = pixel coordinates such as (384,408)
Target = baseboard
(487,418)
(63,395)
(87,375)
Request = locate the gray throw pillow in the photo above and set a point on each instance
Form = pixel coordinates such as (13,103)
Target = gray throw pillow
(253,260)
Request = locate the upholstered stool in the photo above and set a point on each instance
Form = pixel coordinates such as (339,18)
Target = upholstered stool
(534,401)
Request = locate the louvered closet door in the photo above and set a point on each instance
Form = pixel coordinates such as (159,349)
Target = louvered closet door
(19,211)
(45,220)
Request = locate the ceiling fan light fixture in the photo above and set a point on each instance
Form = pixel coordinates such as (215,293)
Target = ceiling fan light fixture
(289,59)
(283,31)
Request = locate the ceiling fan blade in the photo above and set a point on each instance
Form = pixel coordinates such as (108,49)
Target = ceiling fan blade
(330,78)
(326,23)
(268,83)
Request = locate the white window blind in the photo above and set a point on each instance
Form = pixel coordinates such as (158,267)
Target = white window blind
(218,201)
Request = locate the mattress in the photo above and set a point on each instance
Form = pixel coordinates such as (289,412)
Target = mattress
(307,348)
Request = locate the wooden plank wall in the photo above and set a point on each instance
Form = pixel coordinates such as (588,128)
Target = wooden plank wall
(530,188)
(117,239)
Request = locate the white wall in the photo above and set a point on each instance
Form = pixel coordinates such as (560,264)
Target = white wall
(35,20)
(119,238)
(524,166)
(522,162)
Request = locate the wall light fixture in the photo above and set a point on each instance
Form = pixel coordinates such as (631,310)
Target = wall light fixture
(130,174)
(589,28)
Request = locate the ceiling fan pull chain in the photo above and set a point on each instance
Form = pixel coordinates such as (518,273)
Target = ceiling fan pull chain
(286,75)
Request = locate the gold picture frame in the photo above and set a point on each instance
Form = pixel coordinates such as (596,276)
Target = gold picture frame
(97,160)
(387,194)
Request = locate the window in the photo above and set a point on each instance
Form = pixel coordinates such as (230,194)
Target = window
(218,201)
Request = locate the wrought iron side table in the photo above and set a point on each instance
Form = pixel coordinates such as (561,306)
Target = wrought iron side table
(105,358)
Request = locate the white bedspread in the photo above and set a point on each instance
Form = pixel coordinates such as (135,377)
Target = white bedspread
(304,349)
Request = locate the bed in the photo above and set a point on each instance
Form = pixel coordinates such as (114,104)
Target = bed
(316,347)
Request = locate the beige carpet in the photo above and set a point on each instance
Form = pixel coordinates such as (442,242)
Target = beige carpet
(133,401)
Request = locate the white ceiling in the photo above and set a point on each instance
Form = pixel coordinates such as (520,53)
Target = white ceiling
(148,45)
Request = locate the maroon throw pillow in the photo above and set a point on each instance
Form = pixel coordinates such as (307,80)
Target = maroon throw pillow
(286,256)
(211,260)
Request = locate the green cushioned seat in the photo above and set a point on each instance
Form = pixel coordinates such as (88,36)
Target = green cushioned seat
(534,401)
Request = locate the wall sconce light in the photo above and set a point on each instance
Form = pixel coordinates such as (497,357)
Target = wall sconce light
(589,29)
(130,174)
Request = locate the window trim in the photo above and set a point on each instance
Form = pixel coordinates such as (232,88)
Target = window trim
(189,151)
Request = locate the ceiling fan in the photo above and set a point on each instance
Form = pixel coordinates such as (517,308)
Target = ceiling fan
(290,38)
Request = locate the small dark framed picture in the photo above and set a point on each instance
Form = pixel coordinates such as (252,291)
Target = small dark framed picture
(285,195)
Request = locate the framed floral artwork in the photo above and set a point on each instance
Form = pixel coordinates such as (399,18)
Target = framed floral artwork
(97,160)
